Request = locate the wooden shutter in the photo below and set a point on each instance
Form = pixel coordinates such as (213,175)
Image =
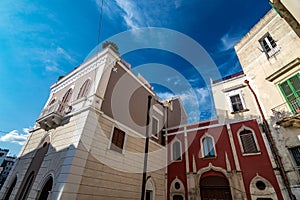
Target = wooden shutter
(248,141)
(117,142)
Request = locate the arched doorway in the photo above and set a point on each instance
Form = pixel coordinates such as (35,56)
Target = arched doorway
(215,188)
(46,189)
(11,188)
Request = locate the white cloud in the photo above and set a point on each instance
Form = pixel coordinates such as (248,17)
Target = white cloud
(177,3)
(65,54)
(230,39)
(132,16)
(195,101)
(15,137)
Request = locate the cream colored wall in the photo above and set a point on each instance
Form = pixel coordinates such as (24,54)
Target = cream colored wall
(293,6)
(223,105)
(101,175)
(257,66)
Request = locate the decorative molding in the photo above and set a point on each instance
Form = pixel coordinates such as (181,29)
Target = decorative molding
(83,70)
(228,166)
(284,69)
(233,88)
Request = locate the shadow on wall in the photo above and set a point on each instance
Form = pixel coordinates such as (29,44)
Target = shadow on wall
(19,187)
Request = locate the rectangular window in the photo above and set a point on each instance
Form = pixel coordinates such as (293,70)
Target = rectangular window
(269,45)
(291,92)
(236,103)
(154,127)
(295,152)
(117,141)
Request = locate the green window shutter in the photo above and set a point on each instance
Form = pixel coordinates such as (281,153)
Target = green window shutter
(291,92)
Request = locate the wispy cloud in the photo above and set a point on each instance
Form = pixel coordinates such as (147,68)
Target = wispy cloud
(15,137)
(65,54)
(229,39)
(195,101)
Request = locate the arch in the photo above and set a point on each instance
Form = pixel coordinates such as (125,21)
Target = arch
(65,100)
(177,189)
(150,189)
(11,188)
(215,186)
(261,188)
(84,88)
(52,101)
(46,189)
(208,149)
(248,141)
(176,150)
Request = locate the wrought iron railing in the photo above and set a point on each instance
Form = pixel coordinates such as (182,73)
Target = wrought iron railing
(287,109)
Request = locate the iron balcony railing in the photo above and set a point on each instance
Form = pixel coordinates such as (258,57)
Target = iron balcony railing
(57,107)
(287,109)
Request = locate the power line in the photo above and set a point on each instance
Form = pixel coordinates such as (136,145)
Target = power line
(100,22)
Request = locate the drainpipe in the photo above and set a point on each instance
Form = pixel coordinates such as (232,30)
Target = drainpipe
(146,149)
(273,146)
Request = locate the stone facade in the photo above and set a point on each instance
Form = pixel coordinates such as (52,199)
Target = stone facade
(269,55)
(86,146)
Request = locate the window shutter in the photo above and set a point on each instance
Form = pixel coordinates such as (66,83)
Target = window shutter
(117,141)
(296,155)
(248,141)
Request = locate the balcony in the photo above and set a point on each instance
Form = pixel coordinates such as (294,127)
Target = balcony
(52,115)
(288,114)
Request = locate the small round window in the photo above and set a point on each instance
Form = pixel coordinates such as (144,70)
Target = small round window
(260,185)
(177,186)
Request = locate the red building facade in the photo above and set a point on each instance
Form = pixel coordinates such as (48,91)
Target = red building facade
(209,160)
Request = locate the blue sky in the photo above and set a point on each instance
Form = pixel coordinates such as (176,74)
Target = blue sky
(41,40)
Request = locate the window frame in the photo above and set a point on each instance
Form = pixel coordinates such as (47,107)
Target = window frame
(234,93)
(294,159)
(172,151)
(295,93)
(203,155)
(254,139)
(269,42)
(157,127)
(112,146)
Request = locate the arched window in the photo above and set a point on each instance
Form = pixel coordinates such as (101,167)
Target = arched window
(248,141)
(150,189)
(65,100)
(84,88)
(208,147)
(176,151)
(11,188)
(46,189)
(27,186)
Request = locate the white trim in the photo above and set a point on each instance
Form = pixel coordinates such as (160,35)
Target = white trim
(234,93)
(172,150)
(232,144)
(202,147)
(150,182)
(268,192)
(158,127)
(255,140)
(156,109)
(174,191)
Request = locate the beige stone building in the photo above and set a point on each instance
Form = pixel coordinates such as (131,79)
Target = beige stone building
(289,10)
(90,138)
(270,57)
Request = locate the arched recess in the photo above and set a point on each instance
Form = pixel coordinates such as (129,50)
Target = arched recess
(248,141)
(176,153)
(177,190)
(208,149)
(261,188)
(215,186)
(11,188)
(46,189)
(84,89)
(211,170)
(150,189)
(65,100)
(27,186)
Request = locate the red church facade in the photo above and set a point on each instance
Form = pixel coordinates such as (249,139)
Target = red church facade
(208,160)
